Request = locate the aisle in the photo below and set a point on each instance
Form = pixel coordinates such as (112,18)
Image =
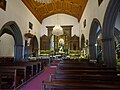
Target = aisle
(36,83)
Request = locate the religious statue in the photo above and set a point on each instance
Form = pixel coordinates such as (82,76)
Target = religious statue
(61,45)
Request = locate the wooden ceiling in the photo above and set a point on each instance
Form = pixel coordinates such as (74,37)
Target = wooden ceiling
(71,7)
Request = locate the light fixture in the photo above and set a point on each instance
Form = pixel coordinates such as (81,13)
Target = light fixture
(44,1)
(57,30)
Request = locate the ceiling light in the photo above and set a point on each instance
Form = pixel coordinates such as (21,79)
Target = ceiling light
(57,30)
(44,1)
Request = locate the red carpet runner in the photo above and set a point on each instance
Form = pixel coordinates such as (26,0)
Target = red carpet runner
(36,83)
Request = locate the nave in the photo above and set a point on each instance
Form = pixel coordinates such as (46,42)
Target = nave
(75,75)
(13,74)
(59,75)
(85,46)
(36,83)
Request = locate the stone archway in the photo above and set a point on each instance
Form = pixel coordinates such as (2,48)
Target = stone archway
(108,32)
(34,43)
(93,38)
(12,28)
(117,34)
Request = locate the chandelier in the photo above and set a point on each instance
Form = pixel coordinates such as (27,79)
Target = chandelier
(57,30)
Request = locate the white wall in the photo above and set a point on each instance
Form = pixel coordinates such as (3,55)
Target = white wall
(6,50)
(18,12)
(62,19)
(92,11)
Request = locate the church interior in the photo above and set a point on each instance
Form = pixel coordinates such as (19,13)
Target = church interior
(59,44)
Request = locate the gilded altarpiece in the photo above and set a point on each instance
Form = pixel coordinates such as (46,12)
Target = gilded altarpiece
(66,37)
(44,43)
(74,43)
(66,41)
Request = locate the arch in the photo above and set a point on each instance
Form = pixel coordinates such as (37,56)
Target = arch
(117,33)
(12,28)
(31,49)
(108,32)
(35,46)
(82,41)
(94,32)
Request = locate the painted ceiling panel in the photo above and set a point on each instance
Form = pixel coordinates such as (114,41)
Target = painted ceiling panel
(71,7)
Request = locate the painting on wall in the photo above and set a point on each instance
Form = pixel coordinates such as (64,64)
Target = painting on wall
(30,25)
(3,4)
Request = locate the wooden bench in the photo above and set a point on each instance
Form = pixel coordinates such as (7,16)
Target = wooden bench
(83,76)
(38,65)
(86,81)
(21,74)
(33,67)
(8,79)
(70,61)
(64,66)
(6,59)
(86,77)
(44,63)
(77,86)
(95,72)
(24,69)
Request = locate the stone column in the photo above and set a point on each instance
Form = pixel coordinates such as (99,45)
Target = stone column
(109,52)
(18,52)
(92,51)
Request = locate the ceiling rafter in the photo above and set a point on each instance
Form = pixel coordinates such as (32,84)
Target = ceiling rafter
(71,7)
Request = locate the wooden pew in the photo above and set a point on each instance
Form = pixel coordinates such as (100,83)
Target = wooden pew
(44,63)
(64,66)
(29,66)
(95,72)
(86,77)
(6,59)
(77,86)
(8,79)
(21,75)
(22,70)
(84,73)
(38,65)
(33,67)
(25,69)
(86,81)
(70,61)
(78,63)
(83,76)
